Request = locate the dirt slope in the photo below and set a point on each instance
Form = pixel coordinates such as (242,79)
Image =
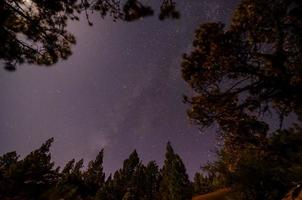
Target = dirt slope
(217,195)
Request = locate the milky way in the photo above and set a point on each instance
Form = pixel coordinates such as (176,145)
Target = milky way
(120,90)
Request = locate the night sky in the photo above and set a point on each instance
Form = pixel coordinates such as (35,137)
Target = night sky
(120,90)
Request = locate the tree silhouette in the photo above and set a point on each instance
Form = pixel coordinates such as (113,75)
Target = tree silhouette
(266,174)
(246,71)
(241,74)
(29,177)
(168,10)
(35,32)
(203,184)
(108,191)
(94,177)
(175,184)
(8,165)
(152,180)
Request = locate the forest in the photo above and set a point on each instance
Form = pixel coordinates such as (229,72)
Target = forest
(36,177)
(245,79)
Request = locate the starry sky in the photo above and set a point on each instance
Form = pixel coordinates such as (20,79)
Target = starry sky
(120,90)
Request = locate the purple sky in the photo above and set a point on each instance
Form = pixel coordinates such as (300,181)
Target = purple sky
(120,90)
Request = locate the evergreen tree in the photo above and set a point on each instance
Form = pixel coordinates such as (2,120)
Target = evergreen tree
(8,159)
(175,184)
(267,174)
(203,184)
(151,182)
(29,177)
(246,70)
(108,191)
(8,165)
(94,177)
(36,32)
(133,181)
(130,165)
(34,177)
(125,179)
(70,184)
(239,74)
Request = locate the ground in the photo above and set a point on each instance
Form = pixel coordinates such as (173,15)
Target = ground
(217,195)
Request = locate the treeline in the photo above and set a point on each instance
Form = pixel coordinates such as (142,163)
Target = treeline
(35,177)
(255,173)
(267,175)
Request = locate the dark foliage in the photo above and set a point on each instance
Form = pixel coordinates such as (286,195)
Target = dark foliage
(241,75)
(246,71)
(175,184)
(35,177)
(35,31)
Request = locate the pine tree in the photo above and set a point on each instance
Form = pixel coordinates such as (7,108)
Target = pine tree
(239,74)
(108,191)
(202,184)
(8,164)
(36,32)
(31,176)
(244,71)
(94,177)
(152,179)
(70,184)
(125,178)
(175,184)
